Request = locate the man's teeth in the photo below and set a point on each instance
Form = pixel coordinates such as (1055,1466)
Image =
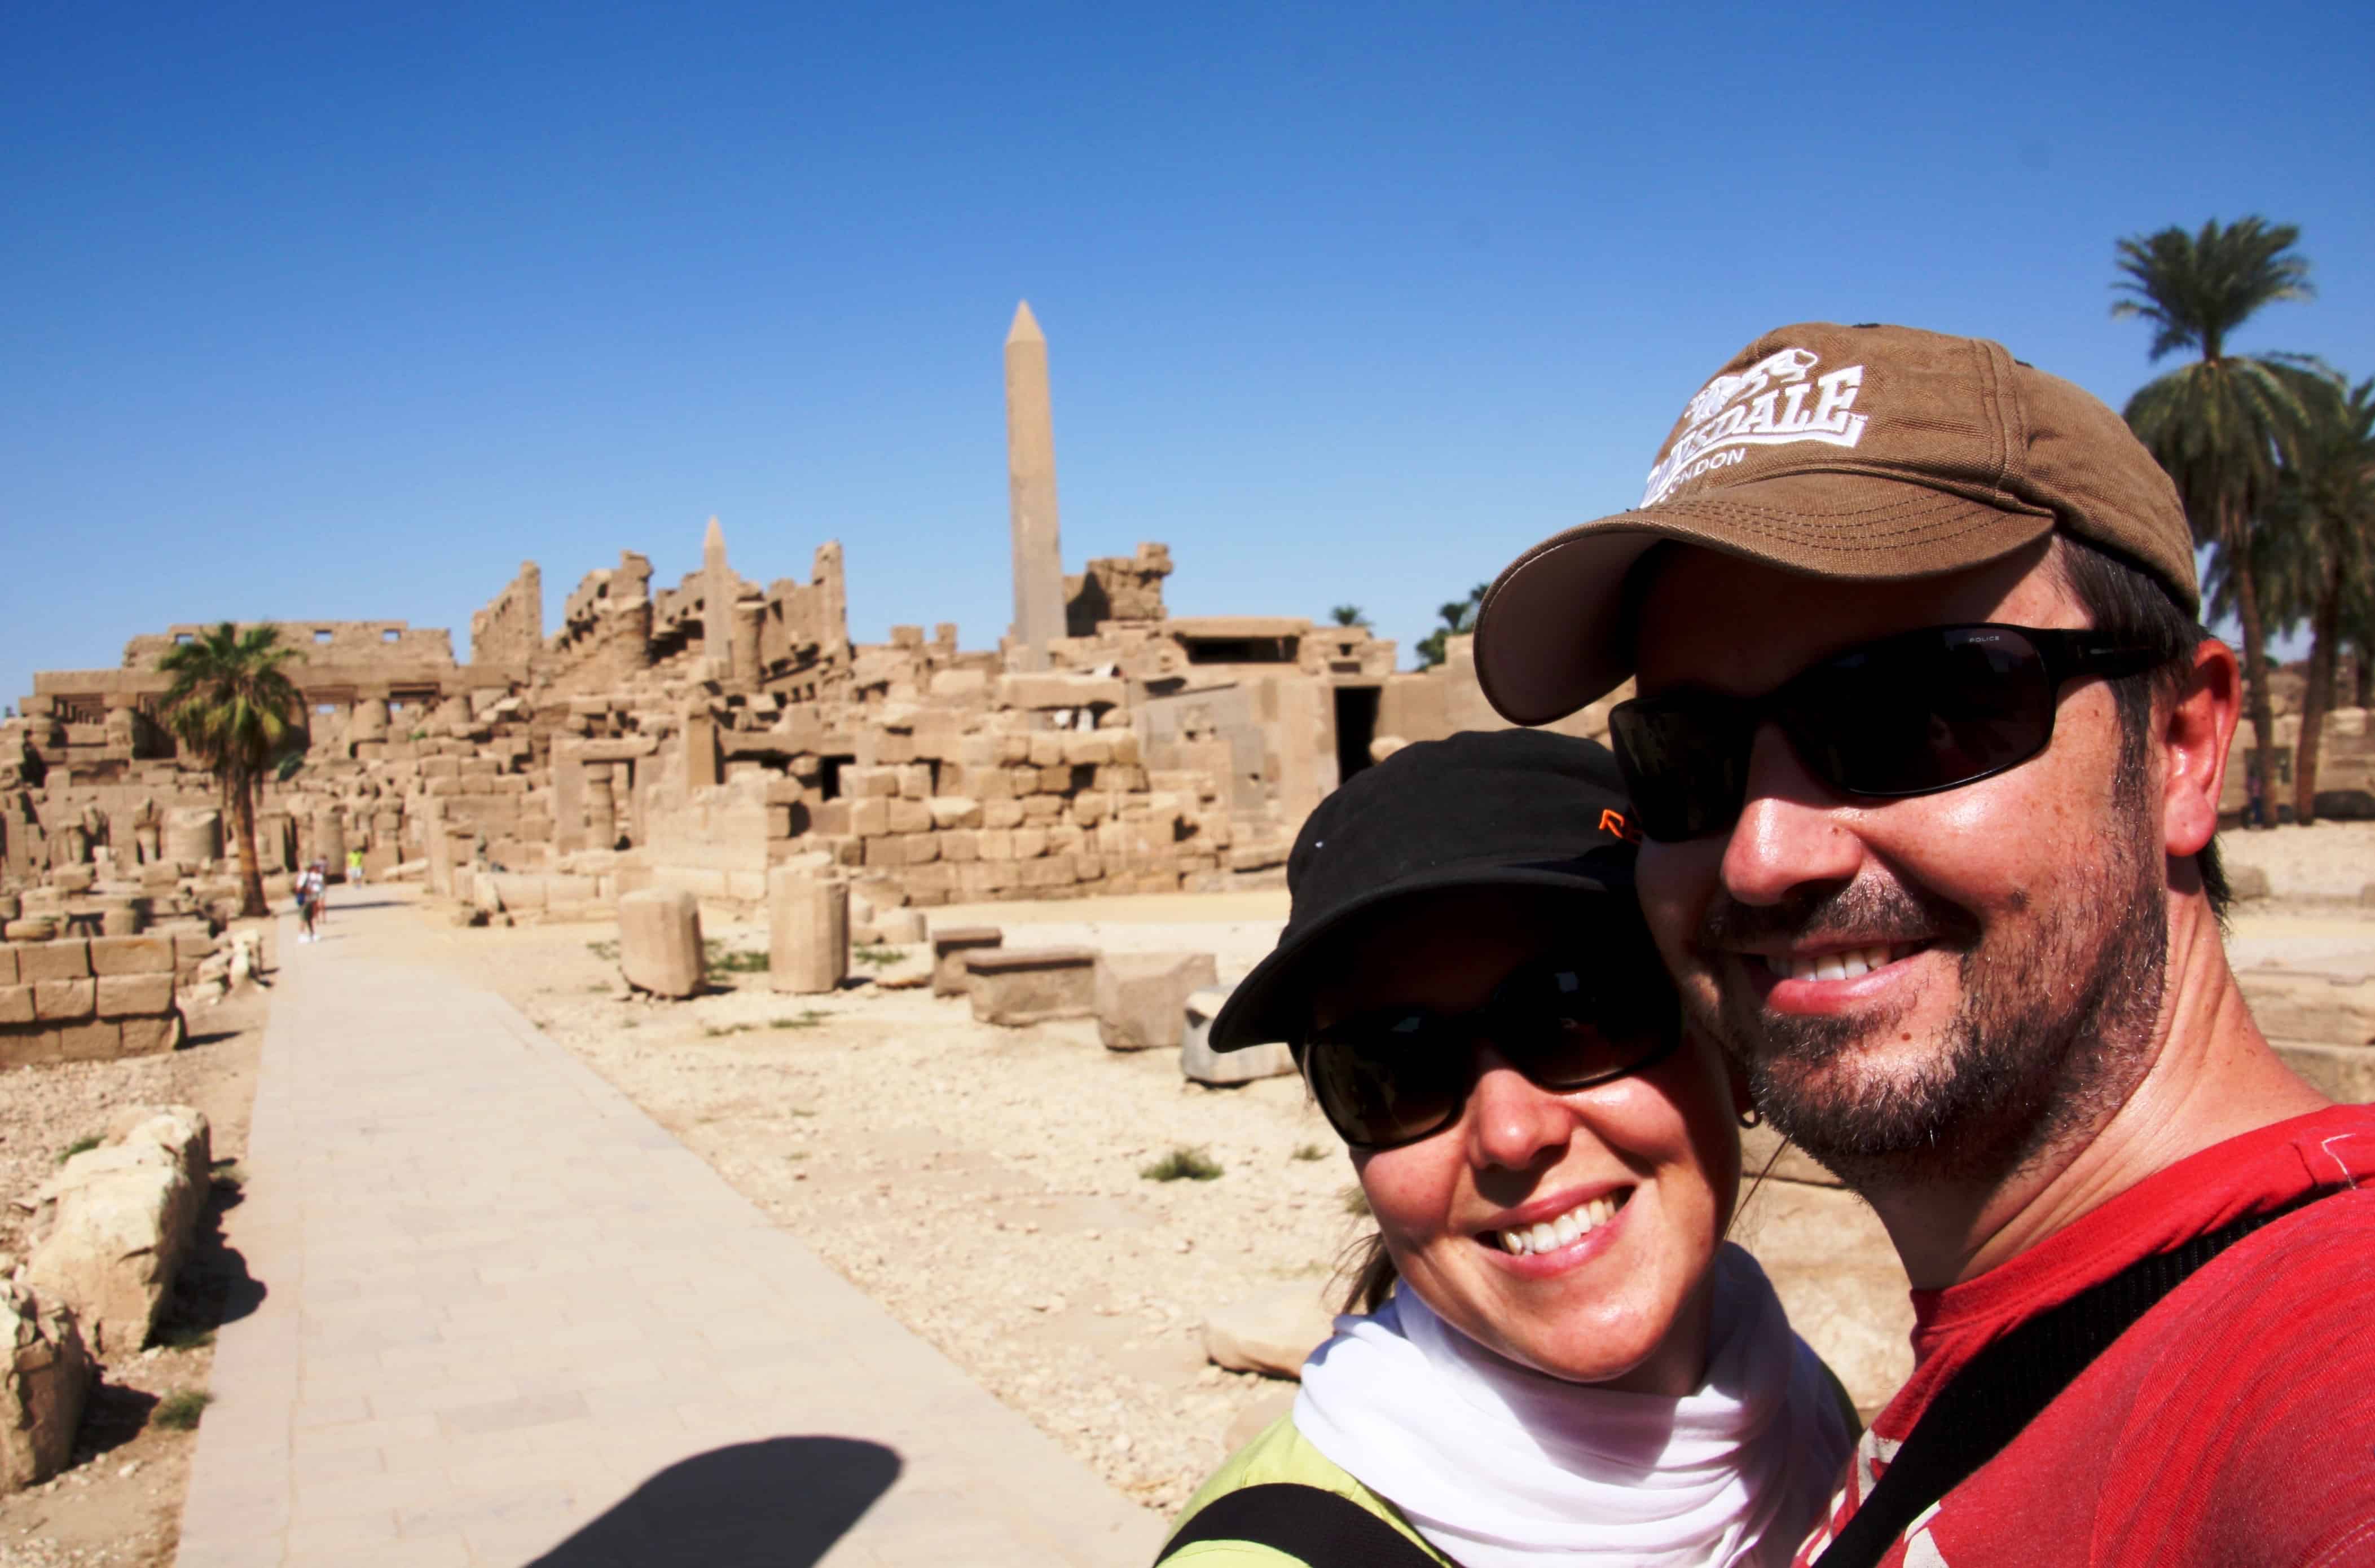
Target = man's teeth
(1552,1234)
(1834,966)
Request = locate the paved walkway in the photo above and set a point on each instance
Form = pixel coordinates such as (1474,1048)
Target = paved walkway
(508,1318)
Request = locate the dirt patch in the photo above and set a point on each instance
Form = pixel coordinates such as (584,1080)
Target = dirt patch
(120,1501)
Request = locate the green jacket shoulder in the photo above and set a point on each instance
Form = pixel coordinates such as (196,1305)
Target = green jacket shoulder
(1280,1454)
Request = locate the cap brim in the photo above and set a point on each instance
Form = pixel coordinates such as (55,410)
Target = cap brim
(1272,1003)
(1551,635)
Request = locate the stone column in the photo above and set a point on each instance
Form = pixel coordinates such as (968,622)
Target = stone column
(748,613)
(808,930)
(630,633)
(194,836)
(330,842)
(1030,491)
(369,720)
(601,808)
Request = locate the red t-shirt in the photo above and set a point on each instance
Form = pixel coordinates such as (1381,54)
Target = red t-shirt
(2233,1424)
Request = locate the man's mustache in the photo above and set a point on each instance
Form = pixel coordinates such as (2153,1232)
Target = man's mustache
(1870,909)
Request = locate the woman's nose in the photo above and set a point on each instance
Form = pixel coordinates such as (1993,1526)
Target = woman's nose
(1511,1121)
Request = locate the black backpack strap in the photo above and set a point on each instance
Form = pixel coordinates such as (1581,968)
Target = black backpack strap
(1992,1401)
(1311,1524)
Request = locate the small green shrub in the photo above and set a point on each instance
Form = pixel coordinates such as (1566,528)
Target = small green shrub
(1182,1163)
(1356,1202)
(875,957)
(607,951)
(83,1145)
(720,962)
(807,1020)
(182,1410)
(1310,1151)
(719,1031)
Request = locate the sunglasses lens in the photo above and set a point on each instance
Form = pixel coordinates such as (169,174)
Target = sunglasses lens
(1922,713)
(1564,1031)
(1685,764)
(1388,1079)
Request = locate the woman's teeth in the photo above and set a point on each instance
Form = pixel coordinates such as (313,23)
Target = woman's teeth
(1552,1234)
(1836,966)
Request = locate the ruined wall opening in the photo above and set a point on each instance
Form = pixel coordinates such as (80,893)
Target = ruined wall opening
(828,776)
(1243,649)
(1357,726)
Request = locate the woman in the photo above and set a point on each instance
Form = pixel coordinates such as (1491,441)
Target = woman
(1557,1358)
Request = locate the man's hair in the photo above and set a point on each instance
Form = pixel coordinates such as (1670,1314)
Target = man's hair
(2134,608)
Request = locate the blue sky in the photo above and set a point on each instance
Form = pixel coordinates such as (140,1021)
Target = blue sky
(341,312)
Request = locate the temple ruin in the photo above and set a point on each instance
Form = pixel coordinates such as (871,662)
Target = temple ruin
(695,735)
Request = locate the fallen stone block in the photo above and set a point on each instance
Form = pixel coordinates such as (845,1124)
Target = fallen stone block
(900,927)
(132,955)
(149,1036)
(64,1001)
(135,996)
(2247,883)
(53,960)
(16,1004)
(950,948)
(659,942)
(1015,986)
(1273,1333)
(1141,998)
(45,1376)
(1198,1063)
(808,931)
(112,1228)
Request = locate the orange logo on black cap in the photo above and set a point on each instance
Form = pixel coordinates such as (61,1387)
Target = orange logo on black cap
(1612,821)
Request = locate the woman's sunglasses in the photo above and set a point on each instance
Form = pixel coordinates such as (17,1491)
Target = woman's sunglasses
(1401,1074)
(1910,715)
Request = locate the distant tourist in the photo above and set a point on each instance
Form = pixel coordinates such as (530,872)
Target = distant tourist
(309,901)
(354,868)
(1552,1355)
(1928,743)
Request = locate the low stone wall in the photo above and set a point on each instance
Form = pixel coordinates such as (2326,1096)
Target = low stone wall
(83,999)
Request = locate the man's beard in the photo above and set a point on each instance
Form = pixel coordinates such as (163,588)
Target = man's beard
(2053,1032)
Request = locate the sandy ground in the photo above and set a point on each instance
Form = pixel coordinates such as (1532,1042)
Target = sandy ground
(2330,860)
(119,1501)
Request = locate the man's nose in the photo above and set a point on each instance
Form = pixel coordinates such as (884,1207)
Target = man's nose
(1789,832)
(1511,1120)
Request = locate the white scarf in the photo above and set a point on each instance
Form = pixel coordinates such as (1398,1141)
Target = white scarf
(1502,1466)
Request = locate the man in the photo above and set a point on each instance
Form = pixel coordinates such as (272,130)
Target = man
(1928,748)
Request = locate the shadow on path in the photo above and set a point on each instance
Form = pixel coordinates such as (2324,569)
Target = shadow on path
(781,1502)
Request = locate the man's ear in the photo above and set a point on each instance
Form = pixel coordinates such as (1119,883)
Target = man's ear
(2194,736)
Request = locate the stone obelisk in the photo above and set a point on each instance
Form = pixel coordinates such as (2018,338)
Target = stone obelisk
(1031,477)
(716,604)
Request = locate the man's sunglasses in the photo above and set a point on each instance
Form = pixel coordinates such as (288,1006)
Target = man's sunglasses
(1401,1074)
(1910,715)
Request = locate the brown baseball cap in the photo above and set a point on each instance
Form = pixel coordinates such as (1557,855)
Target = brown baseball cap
(1872,453)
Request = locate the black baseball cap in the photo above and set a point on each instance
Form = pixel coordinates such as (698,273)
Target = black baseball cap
(1490,808)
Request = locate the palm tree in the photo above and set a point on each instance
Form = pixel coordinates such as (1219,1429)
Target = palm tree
(1458,618)
(234,708)
(1348,615)
(2323,536)
(2216,425)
